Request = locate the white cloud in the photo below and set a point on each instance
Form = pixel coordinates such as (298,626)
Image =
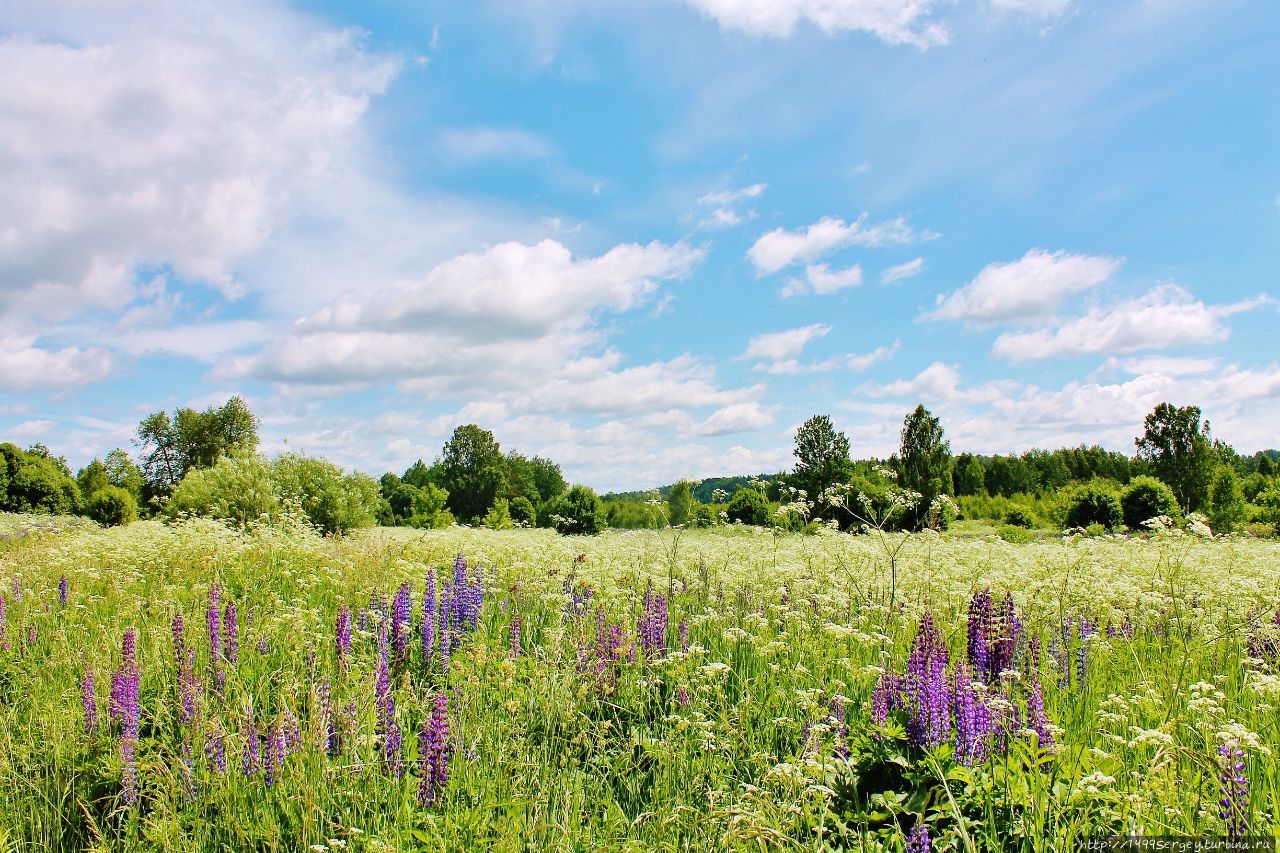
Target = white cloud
(1167,365)
(892,21)
(728,204)
(780,248)
(37,429)
(850,361)
(774,346)
(724,197)
(901,272)
(1167,316)
(27,367)
(822,280)
(472,145)
(1030,288)
(1039,8)
(736,418)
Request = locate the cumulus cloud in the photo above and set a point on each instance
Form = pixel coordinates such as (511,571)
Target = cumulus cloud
(25,366)
(721,198)
(892,21)
(736,418)
(849,361)
(1030,288)
(1168,316)
(729,206)
(774,346)
(822,280)
(901,272)
(780,248)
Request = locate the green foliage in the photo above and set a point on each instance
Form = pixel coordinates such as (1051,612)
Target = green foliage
(748,506)
(92,477)
(1094,503)
(626,513)
(969,476)
(169,447)
(1146,498)
(1016,534)
(680,504)
(822,461)
(499,516)
(1226,501)
(238,489)
(924,463)
(1180,451)
(1266,465)
(473,471)
(547,477)
(1269,507)
(427,507)
(111,506)
(523,512)
(419,475)
(333,500)
(35,481)
(122,472)
(1016,516)
(578,512)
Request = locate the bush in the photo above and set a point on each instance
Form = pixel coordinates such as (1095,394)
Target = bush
(1094,504)
(578,512)
(1269,507)
(1144,499)
(522,511)
(1095,529)
(1018,517)
(34,481)
(427,507)
(1014,533)
(111,506)
(1226,501)
(333,500)
(237,489)
(499,516)
(748,506)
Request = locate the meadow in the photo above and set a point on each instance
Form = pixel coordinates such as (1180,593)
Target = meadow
(188,686)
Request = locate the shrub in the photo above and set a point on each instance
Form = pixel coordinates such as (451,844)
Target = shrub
(1094,504)
(33,480)
(1016,516)
(111,506)
(1144,499)
(522,511)
(237,489)
(1269,507)
(748,506)
(578,512)
(1226,501)
(427,507)
(499,516)
(333,500)
(1014,533)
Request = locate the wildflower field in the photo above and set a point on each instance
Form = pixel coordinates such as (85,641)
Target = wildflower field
(192,687)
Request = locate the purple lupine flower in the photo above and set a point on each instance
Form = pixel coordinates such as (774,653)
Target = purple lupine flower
(1235,791)
(263,648)
(1037,719)
(682,631)
(837,721)
(125,705)
(362,619)
(401,620)
(434,750)
(980,633)
(32,635)
(429,620)
(682,696)
(62,591)
(187,771)
(189,689)
(89,701)
(348,736)
(273,757)
(926,687)
(385,702)
(342,635)
(179,629)
(393,750)
(213,618)
(231,639)
(215,752)
(1082,652)
(129,647)
(291,731)
(1004,640)
(249,759)
(652,629)
(886,696)
(443,627)
(326,733)
(128,771)
(513,635)
(4,625)
(17,588)
(973,719)
(918,841)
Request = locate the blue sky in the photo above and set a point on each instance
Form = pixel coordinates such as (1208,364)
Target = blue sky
(645,239)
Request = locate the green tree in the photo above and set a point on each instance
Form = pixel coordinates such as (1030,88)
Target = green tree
(924,459)
(36,481)
(332,499)
(523,512)
(969,475)
(822,461)
(680,504)
(473,471)
(748,506)
(1146,498)
(92,478)
(548,479)
(428,507)
(111,506)
(1226,501)
(238,489)
(521,478)
(169,447)
(1094,503)
(1180,451)
(578,511)
(419,475)
(499,515)
(123,473)
(1266,467)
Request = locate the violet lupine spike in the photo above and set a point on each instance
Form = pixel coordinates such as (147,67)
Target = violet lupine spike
(263,648)
(443,628)
(213,620)
(187,771)
(249,759)
(342,636)
(4,624)
(434,750)
(514,636)
(189,688)
(215,752)
(129,771)
(682,696)
(17,588)
(1234,803)
(62,591)
(126,707)
(682,631)
(129,647)
(179,629)
(348,731)
(384,699)
(325,730)
(401,616)
(927,694)
(429,620)
(1082,652)
(1037,719)
(979,633)
(840,747)
(918,841)
(231,640)
(89,702)
(973,720)
(1004,634)
(886,696)
(273,757)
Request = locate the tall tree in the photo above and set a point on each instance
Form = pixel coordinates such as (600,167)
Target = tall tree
(680,503)
(123,473)
(822,460)
(924,457)
(547,478)
(1180,451)
(969,476)
(473,470)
